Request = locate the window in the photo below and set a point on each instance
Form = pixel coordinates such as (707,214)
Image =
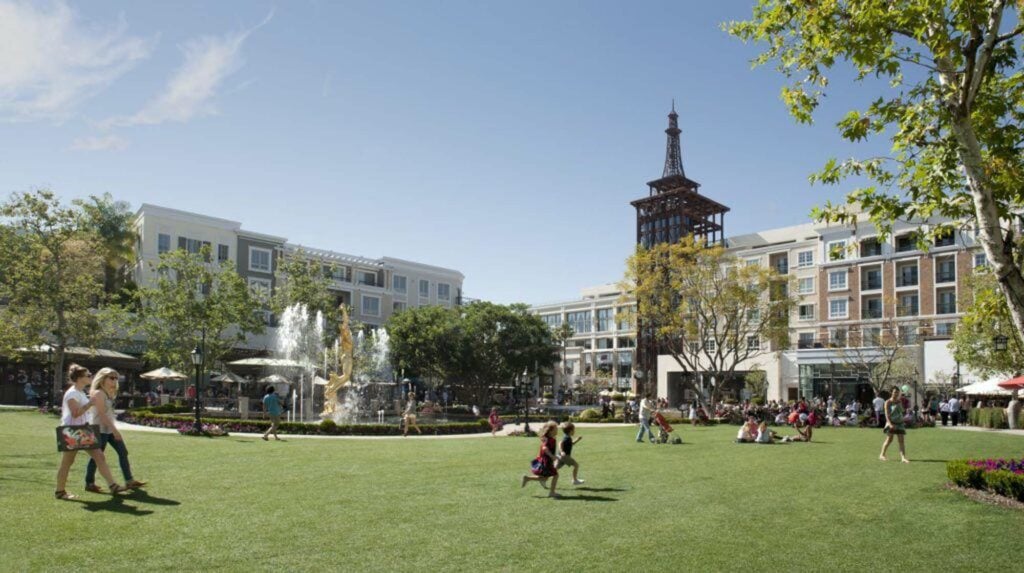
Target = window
(946,303)
(371,305)
(605,319)
(424,289)
(163,243)
(754,315)
(626,342)
(780,264)
(579,321)
(907,305)
(805,285)
(334,272)
(837,280)
(805,340)
(444,291)
(222,253)
(872,336)
(711,345)
(397,306)
(980,260)
(624,313)
(753,343)
(837,251)
(398,283)
(837,337)
(945,239)
(872,308)
(694,348)
(753,262)
(905,243)
(552,320)
(367,278)
(945,328)
(870,248)
(908,333)
(871,278)
(605,343)
(259,259)
(260,288)
(945,270)
(805,259)
(906,275)
(806,312)
(837,308)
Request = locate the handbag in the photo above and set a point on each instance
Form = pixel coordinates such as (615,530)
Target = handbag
(78,437)
(536,465)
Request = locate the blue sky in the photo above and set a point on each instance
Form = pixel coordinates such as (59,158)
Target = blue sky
(502,139)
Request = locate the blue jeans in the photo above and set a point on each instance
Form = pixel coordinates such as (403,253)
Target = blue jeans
(122,458)
(644,425)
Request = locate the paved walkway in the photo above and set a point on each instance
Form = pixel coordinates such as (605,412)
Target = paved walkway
(977,429)
(509,428)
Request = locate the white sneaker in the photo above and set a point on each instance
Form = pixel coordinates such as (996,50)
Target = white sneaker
(577,482)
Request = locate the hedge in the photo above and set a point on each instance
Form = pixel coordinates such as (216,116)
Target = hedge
(965,475)
(988,418)
(326,427)
(999,481)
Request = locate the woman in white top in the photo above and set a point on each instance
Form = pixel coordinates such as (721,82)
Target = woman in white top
(75,410)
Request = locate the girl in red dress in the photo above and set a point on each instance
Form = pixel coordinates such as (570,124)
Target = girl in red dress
(543,466)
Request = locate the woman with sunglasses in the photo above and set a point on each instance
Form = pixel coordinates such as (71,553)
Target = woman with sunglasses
(103,392)
(75,411)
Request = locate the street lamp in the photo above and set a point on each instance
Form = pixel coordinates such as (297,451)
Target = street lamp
(197,361)
(999,342)
(53,377)
(525,392)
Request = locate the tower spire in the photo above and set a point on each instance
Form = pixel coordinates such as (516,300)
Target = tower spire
(673,155)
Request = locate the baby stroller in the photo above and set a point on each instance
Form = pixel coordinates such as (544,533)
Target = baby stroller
(664,428)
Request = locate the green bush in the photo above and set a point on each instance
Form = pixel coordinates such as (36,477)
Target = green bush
(589,415)
(328,425)
(988,418)
(1005,483)
(618,397)
(298,428)
(965,475)
(171,408)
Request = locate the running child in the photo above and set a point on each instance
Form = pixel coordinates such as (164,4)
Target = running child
(543,466)
(566,459)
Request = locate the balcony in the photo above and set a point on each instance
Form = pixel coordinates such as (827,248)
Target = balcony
(945,308)
(870,313)
(871,283)
(907,278)
(945,277)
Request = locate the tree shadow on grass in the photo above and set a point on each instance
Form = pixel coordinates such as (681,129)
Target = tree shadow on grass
(115,504)
(142,496)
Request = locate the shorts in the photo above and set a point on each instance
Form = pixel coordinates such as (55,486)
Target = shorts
(894,431)
(410,418)
(566,461)
(275,419)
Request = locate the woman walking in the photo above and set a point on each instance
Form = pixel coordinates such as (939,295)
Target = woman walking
(409,418)
(272,405)
(544,464)
(75,411)
(894,425)
(102,393)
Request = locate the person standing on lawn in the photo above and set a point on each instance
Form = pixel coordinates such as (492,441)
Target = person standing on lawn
(494,420)
(102,393)
(879,405)
(75,411)
(272,406)
(543,466)
(646,411)
(894,426)
(409,419)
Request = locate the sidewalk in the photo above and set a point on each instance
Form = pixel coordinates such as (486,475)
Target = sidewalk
(977,429)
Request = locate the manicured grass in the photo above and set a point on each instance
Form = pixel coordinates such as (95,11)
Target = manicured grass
(239,504)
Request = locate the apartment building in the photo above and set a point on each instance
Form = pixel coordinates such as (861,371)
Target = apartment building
(851,287)
(373,288)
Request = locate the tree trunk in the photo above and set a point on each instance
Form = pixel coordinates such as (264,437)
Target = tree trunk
(998,248)
(58,374)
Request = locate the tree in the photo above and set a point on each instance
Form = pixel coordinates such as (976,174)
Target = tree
(882,357)
(561,336)
(986,316)
(708,310)
(113,222)
(757,384)
(953,112)
(193,303)
(301,280)
(50,277)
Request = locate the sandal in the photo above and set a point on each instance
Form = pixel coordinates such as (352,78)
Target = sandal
(134,484)
(94,488)
(64,495)
(116,488)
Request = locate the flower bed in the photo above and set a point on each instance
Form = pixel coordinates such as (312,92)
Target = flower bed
(327,427)
(208,430)
(1000,476)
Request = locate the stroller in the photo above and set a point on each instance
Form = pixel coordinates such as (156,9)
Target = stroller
(664,429)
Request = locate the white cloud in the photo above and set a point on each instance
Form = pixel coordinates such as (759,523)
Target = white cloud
(50,61)
(190,92)
(104,143)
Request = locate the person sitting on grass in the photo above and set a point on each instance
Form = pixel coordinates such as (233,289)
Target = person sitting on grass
(764,434)
(748,431)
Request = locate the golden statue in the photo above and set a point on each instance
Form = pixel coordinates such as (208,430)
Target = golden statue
(336,382)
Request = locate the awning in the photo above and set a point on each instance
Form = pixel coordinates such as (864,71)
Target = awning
(985,388)
(82,351)
(278,362)
(163,373)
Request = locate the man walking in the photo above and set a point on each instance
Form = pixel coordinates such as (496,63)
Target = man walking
(646,411)
(878,403)
(954,410)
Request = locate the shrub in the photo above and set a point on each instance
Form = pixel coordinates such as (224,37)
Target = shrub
(964,474)
(328,425)
(988,418)
(589,415)
(260,426)
(1005,483)
(548,395)
(618,397)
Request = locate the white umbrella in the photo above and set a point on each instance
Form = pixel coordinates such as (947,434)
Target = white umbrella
(228,377)
(275,379)
(163,373)
(604,393)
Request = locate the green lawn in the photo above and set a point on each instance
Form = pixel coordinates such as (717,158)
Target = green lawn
(428,505)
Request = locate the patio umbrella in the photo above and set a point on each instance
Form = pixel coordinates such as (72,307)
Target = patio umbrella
(228,377)
(1013,383)
(163,373)
(275,379)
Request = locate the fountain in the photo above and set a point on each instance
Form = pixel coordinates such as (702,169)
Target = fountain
(300,342)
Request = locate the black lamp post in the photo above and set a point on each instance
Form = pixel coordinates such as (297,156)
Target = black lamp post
(52,400)
(999,342)
(197,360)
(525,392)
